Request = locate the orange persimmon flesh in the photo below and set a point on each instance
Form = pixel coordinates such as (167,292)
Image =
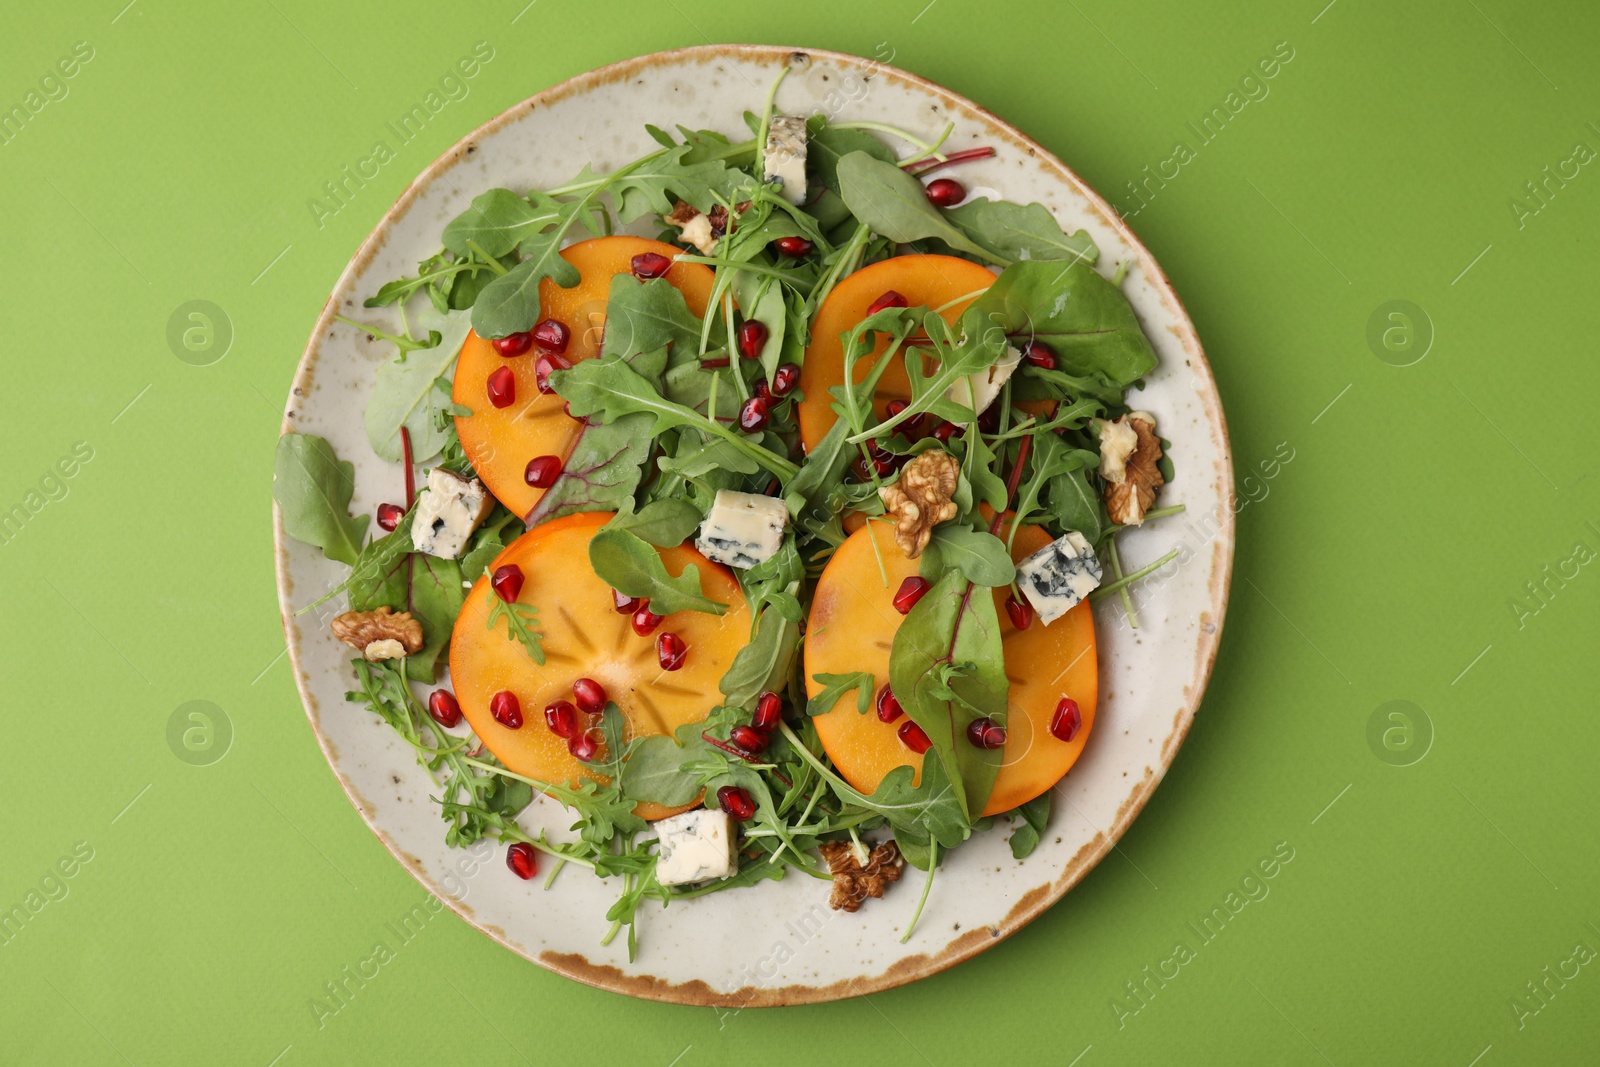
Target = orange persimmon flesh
(501,441)
(852,628)
(585,637)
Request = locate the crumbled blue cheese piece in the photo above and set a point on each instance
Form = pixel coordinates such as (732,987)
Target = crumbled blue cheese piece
(785,157)
(447,513)
(977,391)
(696,846)
(742,529)
(1059,575)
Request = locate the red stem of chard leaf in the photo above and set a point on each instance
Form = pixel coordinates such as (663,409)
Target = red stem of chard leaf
(732,751)
(930,165)
(411,494)
(1011,483)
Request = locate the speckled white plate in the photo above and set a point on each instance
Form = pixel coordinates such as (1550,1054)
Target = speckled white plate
(777,943)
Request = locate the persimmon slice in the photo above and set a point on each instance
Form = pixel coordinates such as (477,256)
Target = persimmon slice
(501,441)
(584,637)
(928,280)
(852,628)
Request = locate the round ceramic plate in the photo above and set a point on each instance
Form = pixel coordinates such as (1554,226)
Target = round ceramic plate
(776,943)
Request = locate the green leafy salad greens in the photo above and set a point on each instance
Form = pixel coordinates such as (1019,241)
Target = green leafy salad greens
(661,435)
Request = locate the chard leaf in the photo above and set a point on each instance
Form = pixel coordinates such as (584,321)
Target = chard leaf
(656,771)
(664,523)
(1035,814)
(979,555)
(836,686)
(406,393)
(498,221)
(826,146)
(894,204)
(312,488)
(436,599)
(634,568)
(601,473)
(1018,231)
(378,576)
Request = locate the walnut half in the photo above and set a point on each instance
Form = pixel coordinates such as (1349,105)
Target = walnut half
(853,883)
(1130,454)
(920,500)
(379,634)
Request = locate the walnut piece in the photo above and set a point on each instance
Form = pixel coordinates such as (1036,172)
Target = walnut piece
(854,883)
(379,634)
(695,227)
(920,500)
(1129,456)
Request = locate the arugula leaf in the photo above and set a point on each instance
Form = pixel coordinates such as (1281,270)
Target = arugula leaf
(629,565)
(520,620)
(1035,814)
(895,204)
(1074,505)
(498,221)
(312,488)
(837,685)
(979,555)
(696,457)
(922,815)
(664,523)
(1018,231)
(406,393)
(656,770)
(510,303)
(436,599)
(602,471)
(645,316)
(764,663)
(650,189)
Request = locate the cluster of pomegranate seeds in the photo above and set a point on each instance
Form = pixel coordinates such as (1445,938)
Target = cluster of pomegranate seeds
(645,621)
(1067,720)
(583,746)
(444,709)
(389,515)
(506,582)
(913,737)
(769,712)
(670,650)
(543,471)
(785,378)
(523,860)
(911,590)
(502,387)
(1021,612)
(506,709)
(542,367)
(625,605)
(1040,355)
(752,337)
(590,695)
(736,802)
(946,192)
(884,462)
(552,336)
(912,427)
(793,247)
(748,738)
(647,265)
(513,344)
(944,431)
(986,733)
(562,718)
(754,414)
(891,299)
(889,708)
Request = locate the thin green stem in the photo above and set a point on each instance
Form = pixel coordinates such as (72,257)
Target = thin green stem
(933,865)
(1128,579)
(1122,588)
(488,260)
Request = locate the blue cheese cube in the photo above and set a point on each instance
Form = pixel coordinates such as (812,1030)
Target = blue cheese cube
(1058,576)
(742,529)
(447,513)
(785,157)
(696,846)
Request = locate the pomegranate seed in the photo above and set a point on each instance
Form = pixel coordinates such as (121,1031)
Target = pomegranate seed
(911,590)
(590,695)
(552,336)
(671,651)
(946,192)
(647,265)
(763,390)
(1021,612)
(913,737)
(645,621)
(785,378)
(989,421)
(891,299)
(889,708)
(542,367)
(944,431)
(912,427)
(769,712)
(986,733)
(1040,355)
(502,387)
(506,709)
(584,746)
(513,344)
(389,515)
(625,605)
(748,738)
(523,860)
(562,718)
(752,338)
(755,413)
(443,707)
(883,461)
(736,802)
(543,471)
(1066,721)
(794,247)
(506,582)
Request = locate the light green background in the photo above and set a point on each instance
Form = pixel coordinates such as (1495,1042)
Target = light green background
(1379,564)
